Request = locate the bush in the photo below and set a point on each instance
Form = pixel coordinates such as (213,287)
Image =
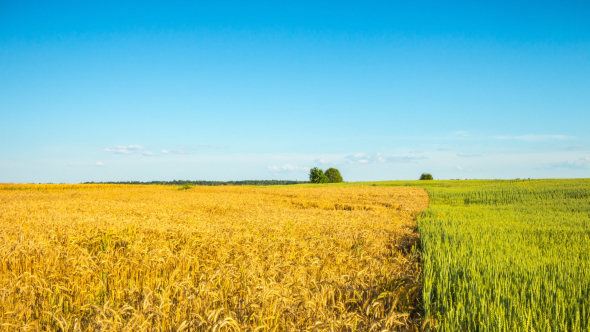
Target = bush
(316,175)
(426,176)
(334,175)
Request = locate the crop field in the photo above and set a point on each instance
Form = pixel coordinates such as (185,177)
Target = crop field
(491,255)
(507,255)
(156,258)
(503,255)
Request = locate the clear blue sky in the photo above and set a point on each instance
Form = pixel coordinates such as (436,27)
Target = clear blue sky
(114,91)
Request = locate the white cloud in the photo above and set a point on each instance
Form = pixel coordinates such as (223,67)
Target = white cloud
(131,149)
(180,149)
(581,163)
(321,161)
(360,158)
(98,163)
(118,150)
(535,138)
(287,168)
(364,158)
(121,149)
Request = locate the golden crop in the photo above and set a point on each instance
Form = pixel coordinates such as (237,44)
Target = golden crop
(154,258)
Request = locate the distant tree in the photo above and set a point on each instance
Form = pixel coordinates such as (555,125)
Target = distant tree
(333,175)
(316,175)
(425,176)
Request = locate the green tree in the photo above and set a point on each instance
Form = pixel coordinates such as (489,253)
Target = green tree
(316,175)
(334,175)
(425,176)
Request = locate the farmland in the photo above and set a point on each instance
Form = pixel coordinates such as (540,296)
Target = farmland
(507,255)
(491,255)
(132,258)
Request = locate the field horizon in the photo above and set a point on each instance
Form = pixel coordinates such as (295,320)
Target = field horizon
(288,182)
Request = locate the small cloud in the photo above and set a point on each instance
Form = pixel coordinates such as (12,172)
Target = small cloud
(363,158)
(287,168)
(467,155)
(180,149)
(98,163)
(582,163)
(360,158)
(321,161)
(460,168)
(535,138)
(121,149)
(117,150)
(148,153)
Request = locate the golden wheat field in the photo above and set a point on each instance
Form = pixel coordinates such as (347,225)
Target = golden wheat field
(155,258)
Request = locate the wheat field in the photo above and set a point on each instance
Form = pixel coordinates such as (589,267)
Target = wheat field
(156,258)
(505,256)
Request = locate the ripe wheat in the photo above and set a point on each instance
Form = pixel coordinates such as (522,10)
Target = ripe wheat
(154,258)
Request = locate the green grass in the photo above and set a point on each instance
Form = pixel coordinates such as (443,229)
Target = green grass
(505,255)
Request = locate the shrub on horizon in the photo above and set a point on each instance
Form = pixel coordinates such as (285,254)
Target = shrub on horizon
(333,175)
(316,175)
(426,176)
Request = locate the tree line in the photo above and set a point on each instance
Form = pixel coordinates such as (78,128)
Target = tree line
(206,183)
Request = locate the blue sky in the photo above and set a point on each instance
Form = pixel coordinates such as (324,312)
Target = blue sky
(116,91)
